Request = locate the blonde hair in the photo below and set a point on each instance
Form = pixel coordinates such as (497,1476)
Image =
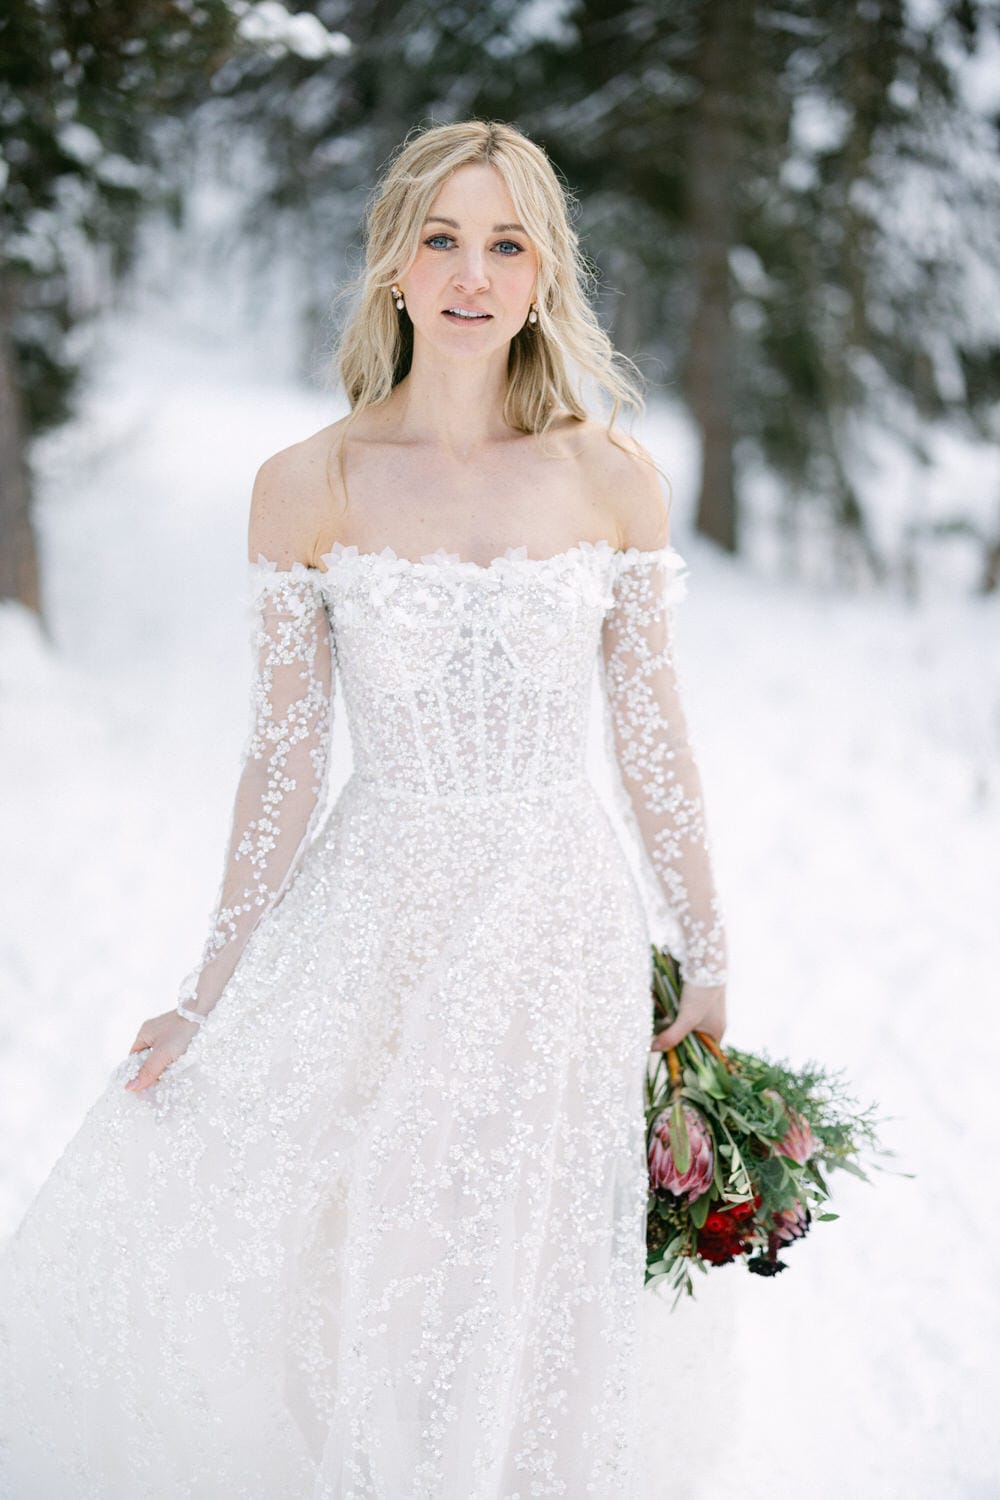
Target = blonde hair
(376,346)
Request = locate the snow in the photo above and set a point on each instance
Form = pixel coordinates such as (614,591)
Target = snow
(849,751)
(270,25)
(81,142)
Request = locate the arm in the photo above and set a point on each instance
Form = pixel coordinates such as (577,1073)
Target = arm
(279,795)
(655,757)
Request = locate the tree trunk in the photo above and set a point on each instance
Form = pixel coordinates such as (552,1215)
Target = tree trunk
(990,581)
(710,182)
(18,551)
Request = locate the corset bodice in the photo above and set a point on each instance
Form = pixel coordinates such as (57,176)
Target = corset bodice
(467,682)
(468,679)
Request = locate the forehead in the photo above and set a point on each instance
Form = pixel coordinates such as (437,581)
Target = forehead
(473,195)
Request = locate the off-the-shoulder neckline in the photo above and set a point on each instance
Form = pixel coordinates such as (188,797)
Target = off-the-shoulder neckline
(511,557)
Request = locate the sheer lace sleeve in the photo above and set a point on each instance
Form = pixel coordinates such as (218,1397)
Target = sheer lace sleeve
(662,795)
(279,797)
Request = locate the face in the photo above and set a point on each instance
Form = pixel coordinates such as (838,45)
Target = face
(473,258)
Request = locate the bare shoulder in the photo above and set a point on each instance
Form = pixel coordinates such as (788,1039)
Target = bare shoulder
(293,494)
(623,479)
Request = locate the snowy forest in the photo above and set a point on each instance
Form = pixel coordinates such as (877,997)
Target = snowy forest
(791,211)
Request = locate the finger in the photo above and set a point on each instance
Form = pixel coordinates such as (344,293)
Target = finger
(139,1045)
(147,1074)
(675,1032)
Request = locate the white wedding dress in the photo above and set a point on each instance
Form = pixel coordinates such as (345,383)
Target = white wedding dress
(379,1233)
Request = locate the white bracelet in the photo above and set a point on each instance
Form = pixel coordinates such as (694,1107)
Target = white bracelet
(189,1015)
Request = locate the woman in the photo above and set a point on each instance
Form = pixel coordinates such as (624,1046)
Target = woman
(364,1216)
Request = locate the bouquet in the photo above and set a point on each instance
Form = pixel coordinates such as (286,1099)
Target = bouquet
(738,1148)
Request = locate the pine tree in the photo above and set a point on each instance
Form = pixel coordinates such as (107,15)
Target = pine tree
(806,209)
(82,86)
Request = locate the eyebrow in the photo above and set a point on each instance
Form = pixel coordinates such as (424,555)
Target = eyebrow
(497,228)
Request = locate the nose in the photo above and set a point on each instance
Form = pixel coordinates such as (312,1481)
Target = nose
(470,275)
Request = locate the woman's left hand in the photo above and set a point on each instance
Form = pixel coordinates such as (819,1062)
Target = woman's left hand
(702,1008)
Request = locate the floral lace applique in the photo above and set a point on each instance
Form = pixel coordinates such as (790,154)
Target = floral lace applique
(655,755)
(285,766)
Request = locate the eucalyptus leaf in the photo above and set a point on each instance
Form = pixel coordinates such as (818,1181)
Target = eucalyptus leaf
(699,1210)
(680,1142)
(698,1096)
(812,1167)
(852,1167)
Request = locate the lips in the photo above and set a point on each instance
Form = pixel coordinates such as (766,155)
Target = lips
(467,315)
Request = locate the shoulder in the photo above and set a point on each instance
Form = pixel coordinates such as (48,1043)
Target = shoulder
(292,497)
(625,483)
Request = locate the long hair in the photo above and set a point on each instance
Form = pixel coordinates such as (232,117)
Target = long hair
(549,361)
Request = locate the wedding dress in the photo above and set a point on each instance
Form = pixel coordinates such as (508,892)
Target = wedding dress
(379,1233)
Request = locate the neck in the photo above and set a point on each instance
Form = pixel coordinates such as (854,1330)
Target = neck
(457,407)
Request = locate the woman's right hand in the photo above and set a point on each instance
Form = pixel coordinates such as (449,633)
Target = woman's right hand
(163,1038)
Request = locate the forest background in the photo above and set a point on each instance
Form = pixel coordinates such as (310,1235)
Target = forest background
(792,213)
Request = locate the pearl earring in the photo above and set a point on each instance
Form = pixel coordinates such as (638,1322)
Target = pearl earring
(398,296)
(533,315)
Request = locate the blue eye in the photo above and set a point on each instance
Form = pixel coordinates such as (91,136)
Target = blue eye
(507,248)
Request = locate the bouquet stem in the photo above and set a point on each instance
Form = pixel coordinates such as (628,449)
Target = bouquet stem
(709,1041)
(666,996)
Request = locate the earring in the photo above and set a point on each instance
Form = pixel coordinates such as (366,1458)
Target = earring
(533,315)
(398,296)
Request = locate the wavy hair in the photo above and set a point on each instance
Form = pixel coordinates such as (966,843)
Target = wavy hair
(548,361)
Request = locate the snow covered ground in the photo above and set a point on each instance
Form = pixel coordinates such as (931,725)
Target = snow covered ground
(849,752)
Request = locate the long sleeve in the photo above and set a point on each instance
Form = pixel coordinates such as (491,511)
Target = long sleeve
(652,749)
(280,794)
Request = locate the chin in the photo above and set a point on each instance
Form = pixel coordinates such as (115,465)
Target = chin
(455,343)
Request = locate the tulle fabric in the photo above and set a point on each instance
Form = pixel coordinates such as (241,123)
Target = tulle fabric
(379,1233)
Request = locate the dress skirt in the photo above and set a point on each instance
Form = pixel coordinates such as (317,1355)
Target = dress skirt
(379,1233)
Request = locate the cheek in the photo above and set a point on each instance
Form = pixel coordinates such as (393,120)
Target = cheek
(521,276)
(424,276)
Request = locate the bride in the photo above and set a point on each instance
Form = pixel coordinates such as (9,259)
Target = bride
(364,1214)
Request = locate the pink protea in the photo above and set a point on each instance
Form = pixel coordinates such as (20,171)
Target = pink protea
(663,1171)
(790,1223)
(799,1141)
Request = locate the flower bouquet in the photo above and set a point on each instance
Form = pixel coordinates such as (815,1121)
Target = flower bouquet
(737,1148)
